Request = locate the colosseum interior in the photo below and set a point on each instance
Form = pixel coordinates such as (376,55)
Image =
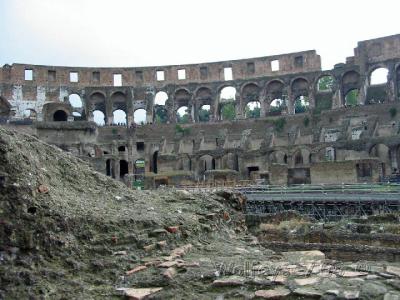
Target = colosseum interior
(277,119)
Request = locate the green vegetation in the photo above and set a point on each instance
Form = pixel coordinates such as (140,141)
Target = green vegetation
(204,115)
(351,98)
(161,114)
(306,121)
(228,111)
(393,112)
(252,113)
(301,104)
(279,124)
(325,83)
(182,130)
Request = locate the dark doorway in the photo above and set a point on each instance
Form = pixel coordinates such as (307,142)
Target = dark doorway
(108,167)
(155,157)
(299,176)
(60,116)
(123,168)
(251,170)
(213,164)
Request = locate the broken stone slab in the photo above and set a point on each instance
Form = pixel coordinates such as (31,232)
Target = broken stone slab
(170,273)
(141,293)
(306,281)
(181,251)
(391,296)
(350,295)
(308,292)
(301,257)
(393,270)
(123,252)
(352,274)
(280,279)
(172,263)
(158,232)
(276,293)
(229,281)
(136,269)
(149,248)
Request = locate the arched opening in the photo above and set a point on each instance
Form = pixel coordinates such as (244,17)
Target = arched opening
(123,168)
(325,83)
(121,149)
(298,159)
(160,113)
(119,117)
(278,157)
(301,104)
(276,107)
(382,152)
(75,101)
(351,97)
(206,163)
(60,116)
(227,111)
(252,109)
(110,168)
(204,113)
(182,115)
(213,164)
(99,117)
(250,92)
(154,162)
(160,98)
(29,114)
(330,154)
(139,116)
(285,159)
(378,76)
(227,94)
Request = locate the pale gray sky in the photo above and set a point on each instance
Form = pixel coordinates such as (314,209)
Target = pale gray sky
(141,33)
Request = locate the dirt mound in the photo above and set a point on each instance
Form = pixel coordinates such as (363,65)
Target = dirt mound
(61,222)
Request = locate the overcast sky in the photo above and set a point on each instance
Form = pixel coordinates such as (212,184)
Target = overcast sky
(146,33)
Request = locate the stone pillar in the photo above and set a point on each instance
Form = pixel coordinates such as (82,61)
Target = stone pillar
(362,94)
(239,106)
(149,97)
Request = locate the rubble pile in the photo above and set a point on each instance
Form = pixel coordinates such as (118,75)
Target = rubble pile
(68,232)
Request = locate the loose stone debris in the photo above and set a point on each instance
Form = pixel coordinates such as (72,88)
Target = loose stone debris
(64,234)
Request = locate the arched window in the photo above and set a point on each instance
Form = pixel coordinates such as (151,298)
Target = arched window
(351,97)
(119,117)
(253,109)
(276,106)
(139,116)
(60,116)
(378,76)
(204,113)
(75,101)
(160,98)
(99,117)
(301,104)
(325,83)
(160,113)
(227,94)
(182,115)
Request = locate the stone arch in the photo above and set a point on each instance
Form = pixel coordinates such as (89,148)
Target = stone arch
(182,98)
(381,151)
(60,116)
(278,157)
(250,92)
(324,83)
(203,97)
(378,75)
(29,113)
(139,116)
(226,103)
(350,81)
(160,112)
(123,168)
(230,161)
(301,157)
(351,97)
(377,85)
(97,102)
(205,163)
(110,168)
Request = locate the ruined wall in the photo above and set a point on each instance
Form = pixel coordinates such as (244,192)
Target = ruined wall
(313,124)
